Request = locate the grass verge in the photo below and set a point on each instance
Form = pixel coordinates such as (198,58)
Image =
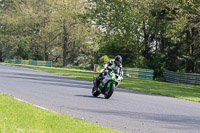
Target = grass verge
(17,116)
(153,87)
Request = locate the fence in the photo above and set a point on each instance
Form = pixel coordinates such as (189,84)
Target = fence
(31,62)
(139,73)
(133,72)
(182,78)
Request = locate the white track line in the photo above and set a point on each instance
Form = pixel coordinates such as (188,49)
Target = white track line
(32,104)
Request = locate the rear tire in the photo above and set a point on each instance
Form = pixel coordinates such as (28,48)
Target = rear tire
(109,92)
(95,93)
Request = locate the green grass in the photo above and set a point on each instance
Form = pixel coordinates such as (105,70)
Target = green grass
(163,88)
(17,116)
(154,87)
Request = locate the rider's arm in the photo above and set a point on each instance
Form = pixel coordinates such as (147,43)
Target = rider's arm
(122,73)
(105,66)
(108,64)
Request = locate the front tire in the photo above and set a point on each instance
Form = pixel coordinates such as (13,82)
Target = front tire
(109,92)
(95,93)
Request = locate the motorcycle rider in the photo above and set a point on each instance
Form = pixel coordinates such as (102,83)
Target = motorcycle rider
(115,65)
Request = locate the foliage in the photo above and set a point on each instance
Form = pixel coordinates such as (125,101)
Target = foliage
(153,34)
(156,63)
(49,30)
(103,60)
(167,31)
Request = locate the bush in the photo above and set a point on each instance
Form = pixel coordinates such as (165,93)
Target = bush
(103,60)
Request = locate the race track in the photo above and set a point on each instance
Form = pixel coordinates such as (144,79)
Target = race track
(126,111)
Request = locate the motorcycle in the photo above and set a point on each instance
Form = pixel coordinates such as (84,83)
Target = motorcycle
(107,85)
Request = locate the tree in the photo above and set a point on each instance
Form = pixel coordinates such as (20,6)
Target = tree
(190,35)
(145,32)
(119,24)
(45,26)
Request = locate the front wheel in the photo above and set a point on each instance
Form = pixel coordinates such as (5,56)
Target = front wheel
(109,92)
(95,93)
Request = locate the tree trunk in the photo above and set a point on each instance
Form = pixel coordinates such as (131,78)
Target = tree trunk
(65,43)
(192,54)
(162,44)
(145,42)
(156,43)
(46,55)
(189,49)
(1,58)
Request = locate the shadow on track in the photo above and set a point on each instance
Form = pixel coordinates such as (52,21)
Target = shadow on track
(87,96)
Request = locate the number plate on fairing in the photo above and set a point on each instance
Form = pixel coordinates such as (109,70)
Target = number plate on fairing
(105,80)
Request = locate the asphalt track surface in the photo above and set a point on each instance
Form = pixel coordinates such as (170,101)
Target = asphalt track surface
(126,111)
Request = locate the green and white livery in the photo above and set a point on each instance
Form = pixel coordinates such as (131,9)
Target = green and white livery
(107,85)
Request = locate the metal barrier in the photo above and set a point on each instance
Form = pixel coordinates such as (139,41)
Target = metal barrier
(139,73)
(132,72)
(31,62)
(182,78)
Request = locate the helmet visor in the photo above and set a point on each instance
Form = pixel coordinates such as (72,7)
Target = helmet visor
(118,63)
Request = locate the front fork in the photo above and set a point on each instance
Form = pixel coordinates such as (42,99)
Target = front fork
(109,83)
(97,84)
(95,80)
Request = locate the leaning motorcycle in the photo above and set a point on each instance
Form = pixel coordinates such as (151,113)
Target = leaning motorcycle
(107,85)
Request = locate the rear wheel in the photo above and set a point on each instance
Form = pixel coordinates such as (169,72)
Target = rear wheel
(95,93)
(109,92)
